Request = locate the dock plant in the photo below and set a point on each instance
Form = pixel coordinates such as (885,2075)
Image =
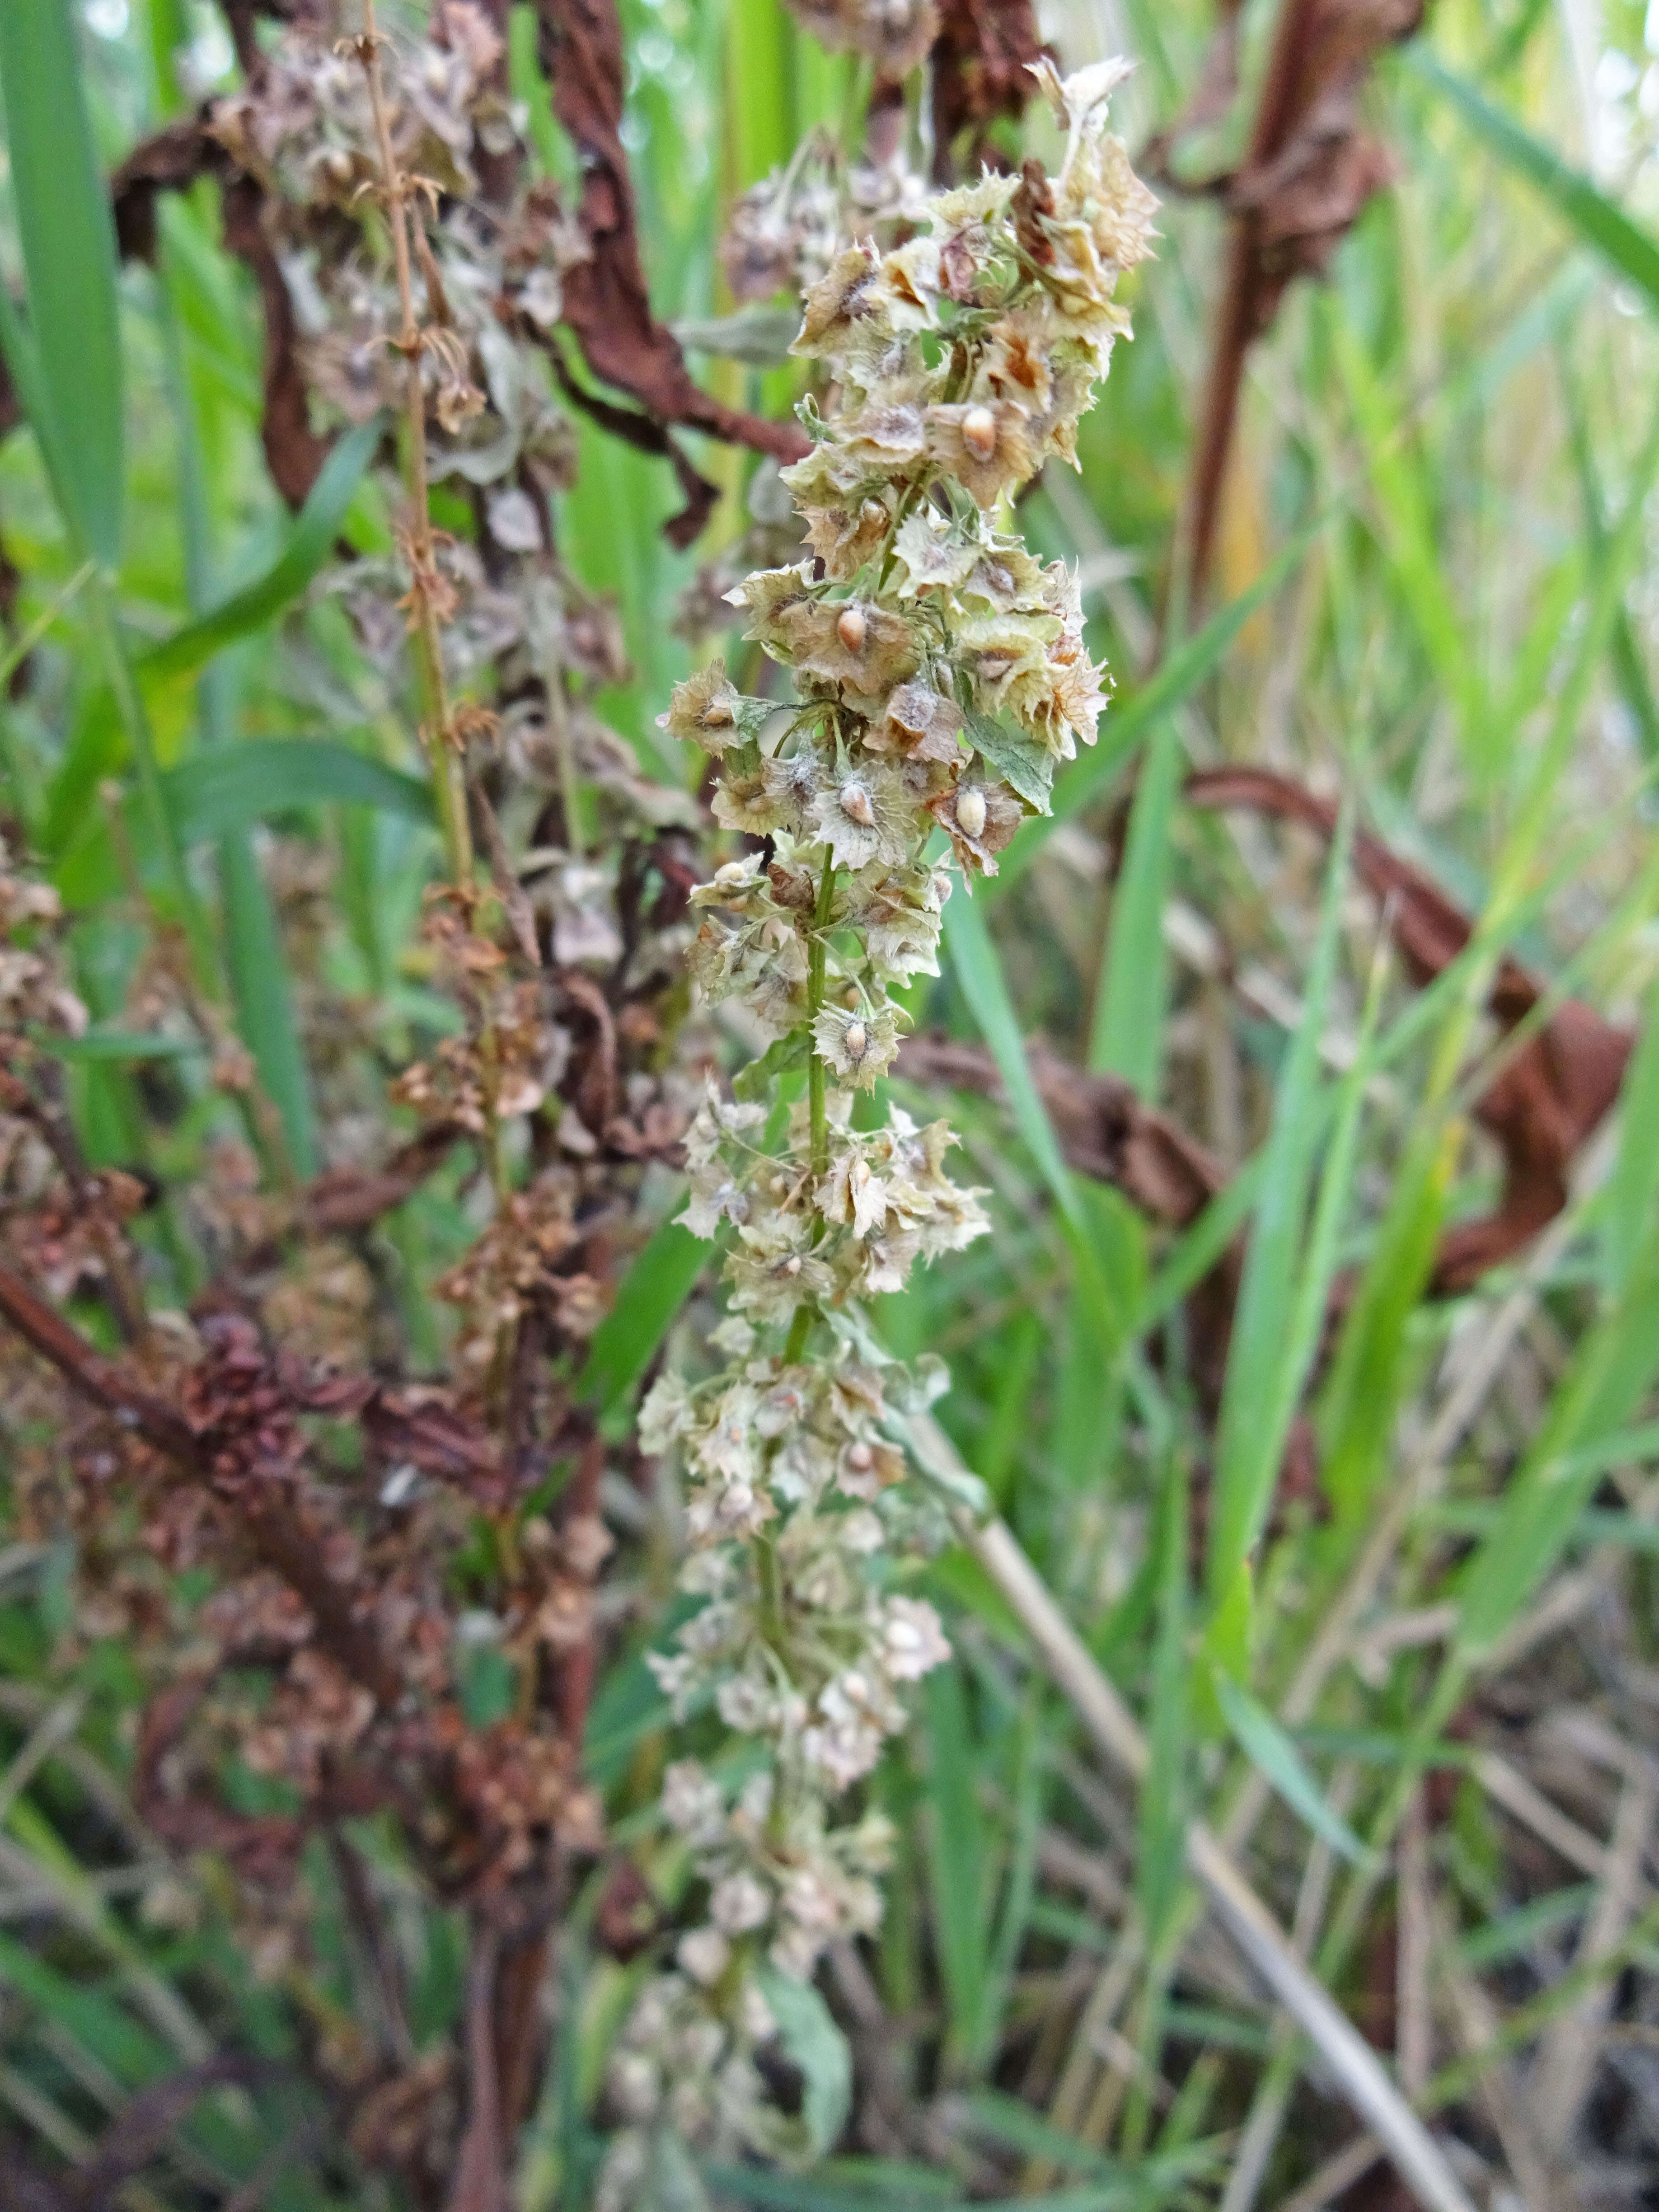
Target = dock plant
(940,676)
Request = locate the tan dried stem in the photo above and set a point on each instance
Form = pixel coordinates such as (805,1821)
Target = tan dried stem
(439,731)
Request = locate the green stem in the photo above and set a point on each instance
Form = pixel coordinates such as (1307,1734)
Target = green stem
(817,961)
(770,1575)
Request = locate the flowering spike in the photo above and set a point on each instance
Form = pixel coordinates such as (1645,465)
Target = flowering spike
(941,673)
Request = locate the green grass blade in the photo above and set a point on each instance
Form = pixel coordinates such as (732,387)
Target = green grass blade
(1132,719)
(68,238)
(979,972)
(225,788)
(1126,1037)
(1261,1388)
(1397,470)
(652,1291)
(1267,1748)
(310,541)
(1631,251)
(529,86)
(101,1044)
(1634,1182)
(158,822)
(1628,666)
(254,965)
(958,1863)
(1018,1892)
(258,975)
(1162,1813)
(1610,1373)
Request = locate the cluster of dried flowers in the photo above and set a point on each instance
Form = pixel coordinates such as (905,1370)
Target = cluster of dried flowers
(940,674)
(894,34)
(270,1441)
(563,959)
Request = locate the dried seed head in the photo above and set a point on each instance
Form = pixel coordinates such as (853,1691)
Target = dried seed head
(970,812)
(855,802)
(979,432)
(852,628)
(856,1042)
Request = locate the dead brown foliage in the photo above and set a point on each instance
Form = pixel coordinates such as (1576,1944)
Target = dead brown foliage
(1309,168)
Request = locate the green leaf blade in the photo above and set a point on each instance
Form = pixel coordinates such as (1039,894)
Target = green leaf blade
(68,238)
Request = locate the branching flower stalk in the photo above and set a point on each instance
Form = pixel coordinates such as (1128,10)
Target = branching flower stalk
(941,675)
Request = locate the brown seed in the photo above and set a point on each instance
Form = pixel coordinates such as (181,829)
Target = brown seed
(852,628)
(855,804)
(718,715)
(970,811)
(979,432)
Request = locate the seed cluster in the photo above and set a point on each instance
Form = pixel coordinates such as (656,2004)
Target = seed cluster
(940,674)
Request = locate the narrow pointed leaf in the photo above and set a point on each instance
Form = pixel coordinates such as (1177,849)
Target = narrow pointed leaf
(1630,251)
(309,543)
(228,787)
(68,238)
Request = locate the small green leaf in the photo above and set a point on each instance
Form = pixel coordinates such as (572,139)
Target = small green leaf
(780,1057)
(672,2182)
(760,337)
(487,1682)
(1025,766)
(814,2044)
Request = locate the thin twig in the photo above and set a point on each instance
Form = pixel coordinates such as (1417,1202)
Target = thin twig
(397,189)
